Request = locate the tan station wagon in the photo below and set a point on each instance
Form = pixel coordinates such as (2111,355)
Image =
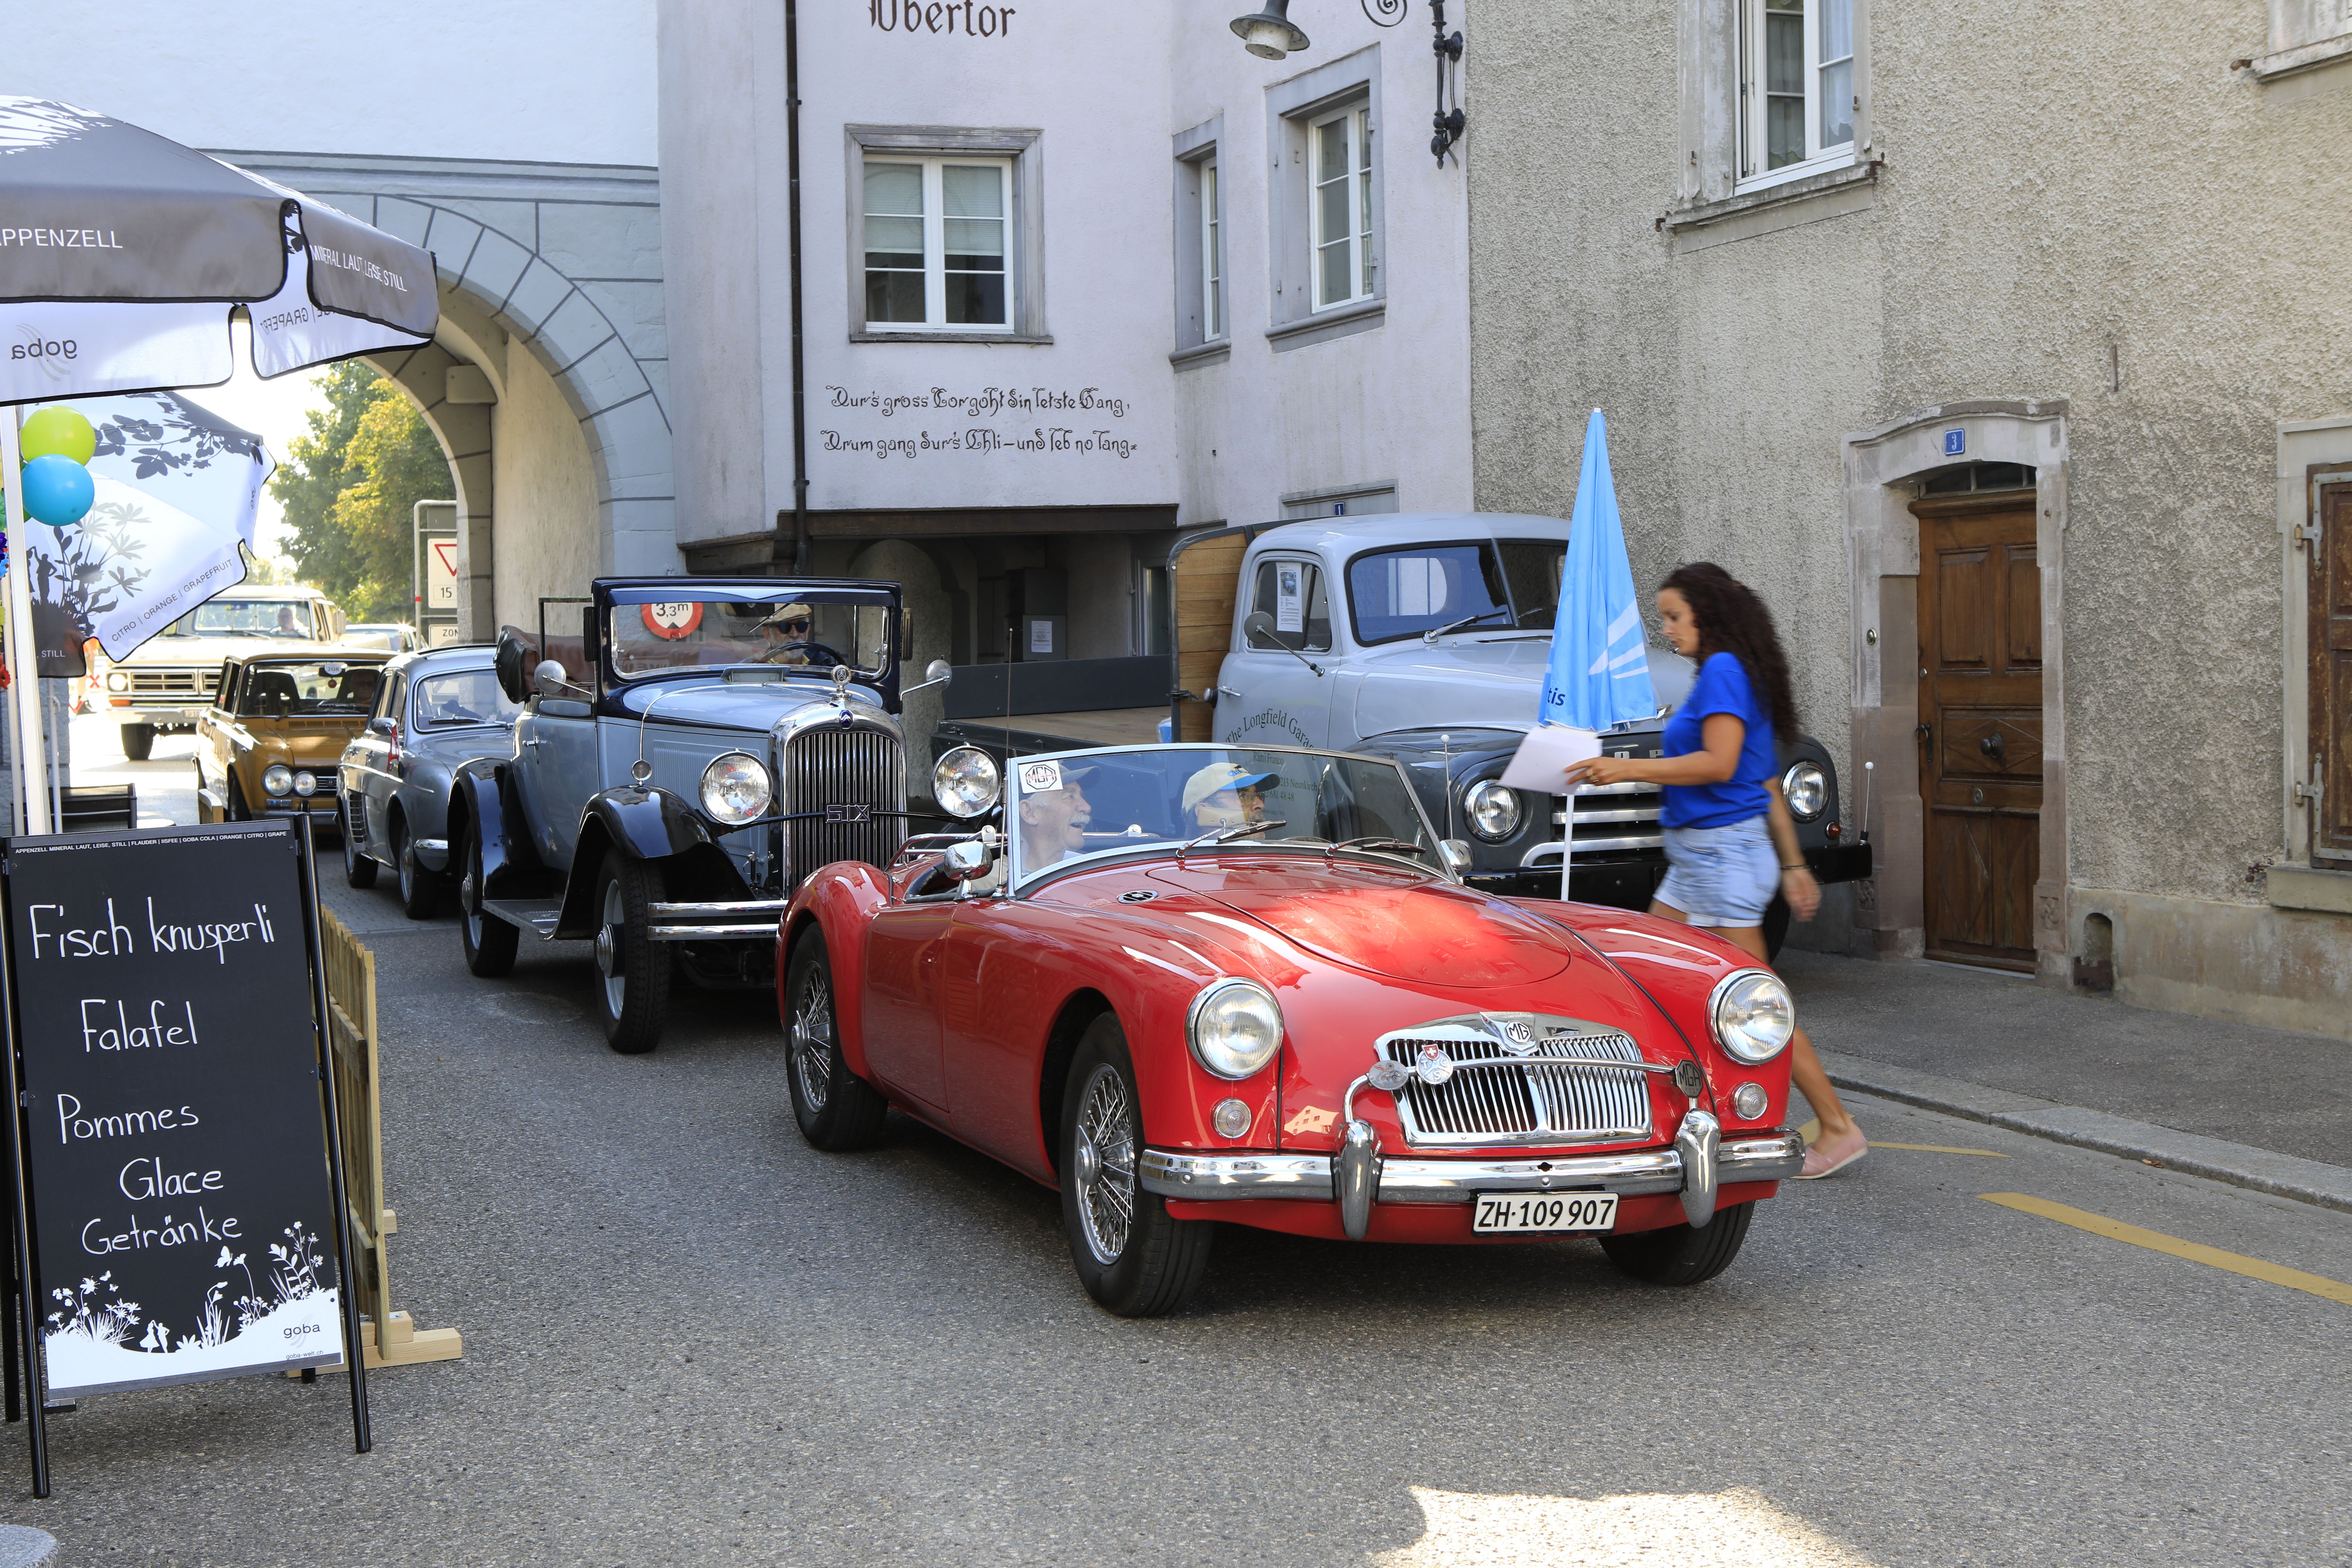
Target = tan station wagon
(269,744)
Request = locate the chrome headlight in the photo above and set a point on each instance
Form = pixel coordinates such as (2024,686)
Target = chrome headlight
(735,788)
(1752,1015)
(966,784)
(1493,808)
(1807,790)
(1235,1027)
(278,779)
(306,785)
(118,681)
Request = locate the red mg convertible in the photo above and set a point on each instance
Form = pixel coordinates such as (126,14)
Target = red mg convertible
(1186,983)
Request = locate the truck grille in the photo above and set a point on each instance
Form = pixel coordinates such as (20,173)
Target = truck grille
(825,767)
(1494,1098)
(174,682)
(1618,816)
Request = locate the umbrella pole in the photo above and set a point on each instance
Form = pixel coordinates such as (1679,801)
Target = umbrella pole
(24,666)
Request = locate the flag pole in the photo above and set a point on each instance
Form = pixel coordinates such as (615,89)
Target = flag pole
(24,664)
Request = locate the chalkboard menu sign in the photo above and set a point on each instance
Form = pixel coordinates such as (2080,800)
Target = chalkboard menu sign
(175,1147)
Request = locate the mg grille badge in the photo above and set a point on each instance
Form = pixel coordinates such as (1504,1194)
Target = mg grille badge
(1519,1038)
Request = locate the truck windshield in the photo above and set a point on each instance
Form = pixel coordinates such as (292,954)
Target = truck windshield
(1402,593)
(246,618)
(1076,806)
(715,633)
(292,690)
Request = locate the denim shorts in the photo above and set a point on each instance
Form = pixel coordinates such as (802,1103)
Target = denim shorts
(1721,876)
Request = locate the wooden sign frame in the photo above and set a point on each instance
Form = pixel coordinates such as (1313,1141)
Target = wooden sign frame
(20,1326)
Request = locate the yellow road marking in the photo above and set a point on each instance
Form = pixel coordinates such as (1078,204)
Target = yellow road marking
(1812,1133)
(2156,1241)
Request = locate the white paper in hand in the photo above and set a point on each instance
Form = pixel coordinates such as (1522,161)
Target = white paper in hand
(1546,754)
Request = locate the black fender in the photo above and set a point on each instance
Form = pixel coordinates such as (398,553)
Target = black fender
(480,802)
(644,824)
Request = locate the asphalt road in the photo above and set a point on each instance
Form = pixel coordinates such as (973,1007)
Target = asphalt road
(692,1340)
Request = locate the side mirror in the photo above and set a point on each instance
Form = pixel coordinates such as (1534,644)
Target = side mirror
(1455,853)
(939,672)
(380,727)
(966,860)
(1259,625)
(1259,631)
(548,681)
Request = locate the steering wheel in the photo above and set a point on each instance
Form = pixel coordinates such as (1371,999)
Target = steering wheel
(817,652)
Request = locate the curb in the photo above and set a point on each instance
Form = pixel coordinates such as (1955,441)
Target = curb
(2216,1159)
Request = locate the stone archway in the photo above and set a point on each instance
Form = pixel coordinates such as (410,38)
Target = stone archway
(563,263)
(1883,555)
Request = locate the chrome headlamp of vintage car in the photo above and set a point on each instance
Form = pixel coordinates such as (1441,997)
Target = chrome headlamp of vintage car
(1234,1028)
(966,784)
(1752,1015)
(306,784)
(1807,790)
(1493,808)
(735,788)
(278,779)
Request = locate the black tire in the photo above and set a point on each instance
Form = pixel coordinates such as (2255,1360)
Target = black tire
(1678,1255)
(632,969)
(420,890)
(837,1110)
(1776,926)
(489,941)
(359,871)
(1152,1266)
(138,741)
(236,810)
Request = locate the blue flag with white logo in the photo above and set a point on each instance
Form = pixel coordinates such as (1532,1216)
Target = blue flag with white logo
(1599,671)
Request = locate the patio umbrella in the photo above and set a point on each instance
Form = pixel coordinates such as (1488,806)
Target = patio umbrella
(123,256)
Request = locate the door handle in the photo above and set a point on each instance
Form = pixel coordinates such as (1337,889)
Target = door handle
(1924,733)
(1992,747)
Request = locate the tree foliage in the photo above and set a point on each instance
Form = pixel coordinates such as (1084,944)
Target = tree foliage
(349,487)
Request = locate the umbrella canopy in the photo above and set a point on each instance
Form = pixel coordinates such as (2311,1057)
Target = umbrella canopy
(122,253)
(1599,671)
(177,489)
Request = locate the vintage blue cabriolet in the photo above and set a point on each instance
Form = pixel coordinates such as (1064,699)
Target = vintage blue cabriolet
(677,768)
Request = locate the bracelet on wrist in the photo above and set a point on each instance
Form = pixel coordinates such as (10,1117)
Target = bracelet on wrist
(1792,866)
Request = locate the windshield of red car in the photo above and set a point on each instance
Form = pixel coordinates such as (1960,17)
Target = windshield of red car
(1074,805)
(648,639)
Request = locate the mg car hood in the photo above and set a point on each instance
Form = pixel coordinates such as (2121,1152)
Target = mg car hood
(1395,925)
(1473,682)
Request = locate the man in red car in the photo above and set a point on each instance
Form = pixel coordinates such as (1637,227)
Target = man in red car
(1053,814)
(1226,795)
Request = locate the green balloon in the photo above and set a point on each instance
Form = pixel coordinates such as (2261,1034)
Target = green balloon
(61,432)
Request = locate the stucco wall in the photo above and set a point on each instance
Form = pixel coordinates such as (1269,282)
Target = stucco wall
(548,536)
(2053,185)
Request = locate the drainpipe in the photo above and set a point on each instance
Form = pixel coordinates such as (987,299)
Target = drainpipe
(800,399)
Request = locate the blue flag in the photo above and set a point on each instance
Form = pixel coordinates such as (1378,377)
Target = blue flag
(1599,671)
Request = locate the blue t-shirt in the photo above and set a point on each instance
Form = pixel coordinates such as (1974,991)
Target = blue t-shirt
(1722,688)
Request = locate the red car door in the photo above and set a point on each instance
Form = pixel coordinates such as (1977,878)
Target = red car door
(994,1012)
(902,988)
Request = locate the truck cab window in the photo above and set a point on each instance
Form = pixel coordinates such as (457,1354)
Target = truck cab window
(1402,593)
(1290,593)
(1532,567)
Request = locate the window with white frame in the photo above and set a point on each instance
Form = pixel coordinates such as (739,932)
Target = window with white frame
(1796,85)
(1212,268)
(938,235)
(1340,206)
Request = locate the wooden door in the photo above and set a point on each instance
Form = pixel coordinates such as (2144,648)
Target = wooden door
(2330,643)
(1980,726)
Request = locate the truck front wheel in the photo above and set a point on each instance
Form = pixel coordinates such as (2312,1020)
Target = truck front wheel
(632,968)
(138,741)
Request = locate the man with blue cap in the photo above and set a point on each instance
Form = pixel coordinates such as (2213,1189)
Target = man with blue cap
(1226,795)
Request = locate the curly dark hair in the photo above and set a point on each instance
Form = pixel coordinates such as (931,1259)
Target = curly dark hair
(1733,620)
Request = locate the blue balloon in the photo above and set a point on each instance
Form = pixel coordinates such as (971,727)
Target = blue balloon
(57,490)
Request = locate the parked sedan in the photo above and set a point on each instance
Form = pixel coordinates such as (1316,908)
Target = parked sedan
(437,712)
(269,743)
(1197,983)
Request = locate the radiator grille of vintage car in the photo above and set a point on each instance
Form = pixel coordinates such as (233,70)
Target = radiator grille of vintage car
(1495,1098)
(854,776)
(1616,818)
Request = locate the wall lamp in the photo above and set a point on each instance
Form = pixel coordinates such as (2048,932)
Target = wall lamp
(1270,35)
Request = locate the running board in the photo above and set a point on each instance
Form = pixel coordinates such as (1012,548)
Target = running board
(538,916)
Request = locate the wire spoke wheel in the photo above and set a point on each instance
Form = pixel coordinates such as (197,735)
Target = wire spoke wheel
(836,1109)
(812,1046)
(1105,1169)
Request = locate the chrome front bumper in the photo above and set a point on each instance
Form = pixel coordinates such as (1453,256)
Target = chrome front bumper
(732,922)
(1696,1167)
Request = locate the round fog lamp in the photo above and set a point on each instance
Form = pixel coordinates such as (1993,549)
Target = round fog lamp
(1750,1102)
(735,788)
(1806,789)
(1493,808)
(278,779)
(306,785)
(966,784)
(1752,1014)
(1232,1118)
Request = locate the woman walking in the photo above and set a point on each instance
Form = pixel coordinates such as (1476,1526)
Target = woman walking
(1729,840)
